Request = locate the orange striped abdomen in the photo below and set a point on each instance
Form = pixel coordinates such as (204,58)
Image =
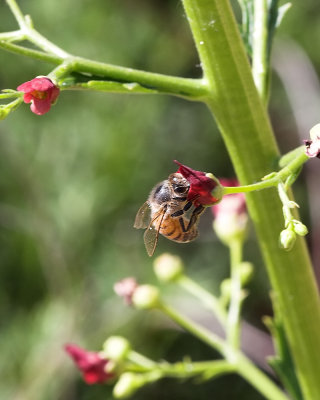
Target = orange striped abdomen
(171,228)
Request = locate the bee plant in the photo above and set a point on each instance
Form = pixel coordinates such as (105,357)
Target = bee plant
(235,62)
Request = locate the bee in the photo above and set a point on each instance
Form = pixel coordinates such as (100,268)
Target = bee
(164,213)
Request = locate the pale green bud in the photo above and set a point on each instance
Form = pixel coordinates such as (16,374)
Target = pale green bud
(116,348)
(287,239)
(299,228)
(146,296)
(4,112)
(246,272)
(225,288)
(168,267)
(127,384)
(231,227)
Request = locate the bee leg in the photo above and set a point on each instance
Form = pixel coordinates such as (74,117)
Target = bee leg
(187,206)
(177,213)
(183,227)
(195,216)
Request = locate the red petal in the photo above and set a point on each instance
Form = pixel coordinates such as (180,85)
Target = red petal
(40,106)
(201,185)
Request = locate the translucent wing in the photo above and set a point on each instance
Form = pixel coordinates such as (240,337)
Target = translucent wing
(143,216)
(151,234)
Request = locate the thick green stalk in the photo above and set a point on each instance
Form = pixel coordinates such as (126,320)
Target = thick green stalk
(246,129)
(259,48)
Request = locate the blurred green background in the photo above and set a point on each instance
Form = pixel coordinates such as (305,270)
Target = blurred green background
(71,182)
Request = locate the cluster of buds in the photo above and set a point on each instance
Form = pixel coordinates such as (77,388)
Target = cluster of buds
(289,234)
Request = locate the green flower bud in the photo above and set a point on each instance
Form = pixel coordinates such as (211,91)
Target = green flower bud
(287,239)
(146,296)
(4,112)
(116,348)
(225,288)
(246,272)
(168,267)
(127,384)
(299,228)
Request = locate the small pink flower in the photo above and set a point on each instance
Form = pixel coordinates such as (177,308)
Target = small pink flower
(125,289)
(41,93)
(201,185)
(313,147)
(90,363)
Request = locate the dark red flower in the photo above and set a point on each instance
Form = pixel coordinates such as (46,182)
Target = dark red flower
(90,363)
(201,185)
(125,288)
(41,93)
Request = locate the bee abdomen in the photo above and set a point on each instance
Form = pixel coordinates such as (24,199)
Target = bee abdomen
(171,229)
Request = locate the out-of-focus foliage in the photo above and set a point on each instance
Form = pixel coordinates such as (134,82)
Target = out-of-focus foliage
(72,180)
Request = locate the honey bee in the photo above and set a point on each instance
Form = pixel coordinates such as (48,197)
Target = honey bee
(164,213)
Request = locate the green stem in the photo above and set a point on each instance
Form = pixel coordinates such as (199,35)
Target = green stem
(260,48)
(279,177)
(208,299)
(259,380)
(233,325)
(246,129)
(193,89)
(32,35)
(141,360)
(10,95)
(188,369)
(12,36)
(17,14)
(202,333)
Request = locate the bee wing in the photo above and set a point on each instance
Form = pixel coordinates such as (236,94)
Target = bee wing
(143,216)
(151,234)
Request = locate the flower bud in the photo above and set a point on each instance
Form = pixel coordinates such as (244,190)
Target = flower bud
(127,384)
(116,348)
(299,228)
(146,297)
(231,227)
(315,132)
(225,289)
(168,267)
(4,112)
(125,288)
(287,239)
(246,272)
(230,216)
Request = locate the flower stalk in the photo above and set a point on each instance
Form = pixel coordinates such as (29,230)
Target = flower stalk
(246,129)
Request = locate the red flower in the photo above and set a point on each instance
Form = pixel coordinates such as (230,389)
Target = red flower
(41,93)
(125,289)
(201,186)
(90,363)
